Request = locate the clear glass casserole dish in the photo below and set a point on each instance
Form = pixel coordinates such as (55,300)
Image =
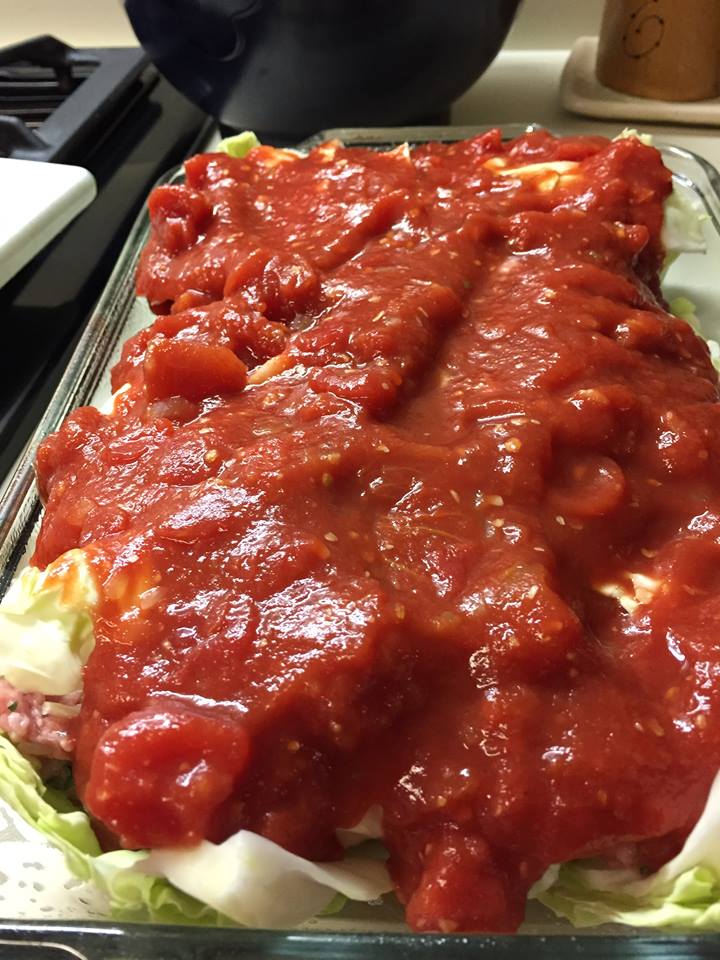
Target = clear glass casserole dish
(75,915)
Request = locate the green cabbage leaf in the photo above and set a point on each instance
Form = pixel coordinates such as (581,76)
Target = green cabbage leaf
(239,145)
(683,895)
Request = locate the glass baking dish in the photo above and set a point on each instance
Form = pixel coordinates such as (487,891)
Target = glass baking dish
(49,927)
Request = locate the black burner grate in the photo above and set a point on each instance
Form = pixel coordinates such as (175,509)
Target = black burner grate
(32,93)
(55,100)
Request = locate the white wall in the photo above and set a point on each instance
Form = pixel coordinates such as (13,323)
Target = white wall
(81,23)
(553,24)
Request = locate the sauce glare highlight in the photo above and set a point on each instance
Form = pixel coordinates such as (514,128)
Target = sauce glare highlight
(411,499)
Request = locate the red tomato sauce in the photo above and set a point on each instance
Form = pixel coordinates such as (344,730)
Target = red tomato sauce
(407,428)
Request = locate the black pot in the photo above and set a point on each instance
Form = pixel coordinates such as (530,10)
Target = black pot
(297,66)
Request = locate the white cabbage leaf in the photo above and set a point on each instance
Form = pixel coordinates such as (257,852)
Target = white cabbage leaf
(259,884)
(46,632)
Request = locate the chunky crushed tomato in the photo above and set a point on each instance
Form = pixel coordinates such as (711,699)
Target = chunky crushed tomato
(412,499)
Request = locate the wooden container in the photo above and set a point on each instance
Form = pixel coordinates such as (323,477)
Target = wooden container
(661,49)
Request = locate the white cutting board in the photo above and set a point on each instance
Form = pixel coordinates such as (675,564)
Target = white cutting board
(36,201)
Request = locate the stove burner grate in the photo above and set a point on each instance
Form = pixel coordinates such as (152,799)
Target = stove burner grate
(55,100)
